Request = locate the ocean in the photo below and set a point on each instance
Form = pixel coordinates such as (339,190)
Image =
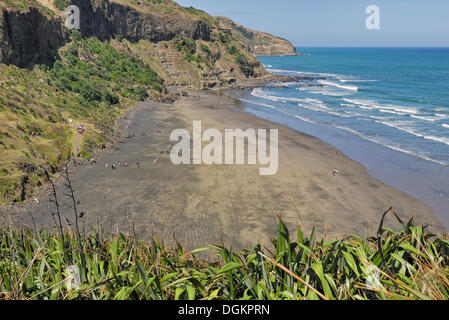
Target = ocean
(387,108)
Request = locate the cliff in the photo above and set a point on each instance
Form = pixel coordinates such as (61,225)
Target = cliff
(29,34)
(259,43)
(32,31)
(125,51)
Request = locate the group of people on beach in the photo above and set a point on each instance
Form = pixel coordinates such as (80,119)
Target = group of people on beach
(113,165)
(121,164)
(78,162)
(126,164)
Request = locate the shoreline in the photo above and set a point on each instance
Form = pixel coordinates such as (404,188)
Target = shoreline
(233,204)
(421,178)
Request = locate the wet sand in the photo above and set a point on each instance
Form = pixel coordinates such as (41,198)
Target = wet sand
(199,204)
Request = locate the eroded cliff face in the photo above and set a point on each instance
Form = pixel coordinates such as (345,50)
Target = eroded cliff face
(33,32)
(108,19)
(34,35)
(29,37)
(259,43)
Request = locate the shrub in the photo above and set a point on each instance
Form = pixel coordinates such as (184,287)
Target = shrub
(233,50)
(76,34)
(60,4)
(205,49)
(142,93)
(242,61)
(186,45)
(110,98)
(90,93)
(223,37)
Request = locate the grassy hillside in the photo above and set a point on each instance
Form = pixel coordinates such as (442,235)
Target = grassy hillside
(410,264)
(91,84)
(197,64)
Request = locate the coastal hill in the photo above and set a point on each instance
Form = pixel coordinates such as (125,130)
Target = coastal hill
(259,43)
(32,31)
(53,80)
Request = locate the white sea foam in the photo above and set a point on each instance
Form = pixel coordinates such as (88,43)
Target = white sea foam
(431,119)
(391,111)
(390,146)
(259,93)
(438,139)
(444,125)
(334,84)
(360,102)
(305,73)
(355,114)
(379,118)
(399,125)
(349,130)
(318,105)
(406,110)
(442,116)
(279,110)
(373,104)
(324,109)
(309,107)
(356,80)
(402,126)
(314,100)
(329,93)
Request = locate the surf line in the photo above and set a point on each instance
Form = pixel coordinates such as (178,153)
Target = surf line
(212,153)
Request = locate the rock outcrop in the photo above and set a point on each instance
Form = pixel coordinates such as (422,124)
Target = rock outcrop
(108,19)
(259,43)
(29,37)
(33,35)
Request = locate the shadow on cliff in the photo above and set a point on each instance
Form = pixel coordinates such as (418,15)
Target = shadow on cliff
(34,36)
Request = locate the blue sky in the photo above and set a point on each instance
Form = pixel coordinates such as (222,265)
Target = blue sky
(339,23)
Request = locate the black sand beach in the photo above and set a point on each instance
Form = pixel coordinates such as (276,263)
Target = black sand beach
(199,204)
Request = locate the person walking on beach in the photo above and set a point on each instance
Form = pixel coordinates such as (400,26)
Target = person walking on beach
(137,165)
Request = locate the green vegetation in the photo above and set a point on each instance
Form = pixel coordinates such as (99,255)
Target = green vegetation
(186,45)
(224,38)
(25,5)
(189,48)
(33,265)
(91,83)
(93,69)
(17,4)
(242,61)
(205,49)
(60,4)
